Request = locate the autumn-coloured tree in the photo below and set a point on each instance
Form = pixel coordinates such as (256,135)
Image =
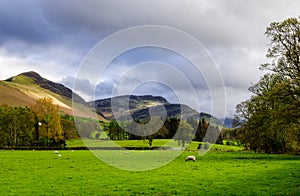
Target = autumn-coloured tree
(48,118)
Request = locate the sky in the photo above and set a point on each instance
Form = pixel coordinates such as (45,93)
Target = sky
(57,37)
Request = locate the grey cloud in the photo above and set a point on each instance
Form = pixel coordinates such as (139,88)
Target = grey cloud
(62,32)
(68,81)
(104,89)
(88,90)
(19,21)
(81,86)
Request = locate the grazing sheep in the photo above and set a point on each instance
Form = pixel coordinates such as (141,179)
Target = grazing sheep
(59,155)
(56,152)
(192,158)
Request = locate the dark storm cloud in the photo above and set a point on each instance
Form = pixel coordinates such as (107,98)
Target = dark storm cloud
(213,22)
(19,22)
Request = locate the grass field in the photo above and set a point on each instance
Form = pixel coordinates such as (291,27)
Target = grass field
(144,143)
(81,173)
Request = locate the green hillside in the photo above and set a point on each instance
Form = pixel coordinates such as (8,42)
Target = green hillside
(24,89)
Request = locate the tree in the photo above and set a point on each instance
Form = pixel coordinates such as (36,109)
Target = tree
(194,123)
(4,135)
(48,115)
(270,119)
(24,119)
(184,133)
(16,125)
(285,55)
(285,48)
(150,130)
(115,131)
(69,127)
(201,130)
(241,114)
(213,135)
(172,124)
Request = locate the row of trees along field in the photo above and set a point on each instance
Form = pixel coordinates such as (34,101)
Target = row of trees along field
(270,120)
(183,131)
(40,125)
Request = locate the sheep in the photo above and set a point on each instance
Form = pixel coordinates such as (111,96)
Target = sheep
(56,152)
(59,155)
(192,158)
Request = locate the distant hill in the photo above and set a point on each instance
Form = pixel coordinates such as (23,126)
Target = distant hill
(134,103)
(25,88)
(139,108)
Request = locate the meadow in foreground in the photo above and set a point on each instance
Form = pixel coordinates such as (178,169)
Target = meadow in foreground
(81,173)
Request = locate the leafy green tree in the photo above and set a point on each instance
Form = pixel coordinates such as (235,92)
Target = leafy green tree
(115,131)
(285,49)
(150,130)
(171,124)
(16,125)
(69,127)
(184,133)
(193,122)
(24,119)
(4,135)
(230,134)
(201,130)
(213,135)
(270,119)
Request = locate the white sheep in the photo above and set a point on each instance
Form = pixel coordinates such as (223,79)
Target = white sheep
(59,155)
(192,158)
(56,152)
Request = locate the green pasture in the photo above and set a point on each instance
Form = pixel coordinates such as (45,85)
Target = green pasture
(81,173)
(144,143)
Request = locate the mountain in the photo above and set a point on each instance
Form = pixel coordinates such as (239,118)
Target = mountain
(134,103)
(56,88)
(25,88)
(140,107)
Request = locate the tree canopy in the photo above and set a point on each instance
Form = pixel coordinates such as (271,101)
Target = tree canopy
(47,114)
(270,120)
